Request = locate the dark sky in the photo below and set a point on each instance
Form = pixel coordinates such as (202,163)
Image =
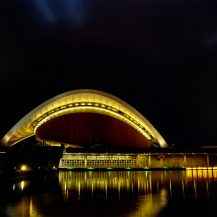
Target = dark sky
(160,56)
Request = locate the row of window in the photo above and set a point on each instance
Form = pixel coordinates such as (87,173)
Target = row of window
(63,161)
(109,157)
(92,163)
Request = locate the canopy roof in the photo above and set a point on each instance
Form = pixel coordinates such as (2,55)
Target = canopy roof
(82,100)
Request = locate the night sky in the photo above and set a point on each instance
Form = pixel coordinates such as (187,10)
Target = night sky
(160,56)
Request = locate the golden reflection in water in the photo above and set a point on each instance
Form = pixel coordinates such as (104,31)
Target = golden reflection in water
(147,191)
(143,182)
(151,204)
(21,185)
(106,181)
(25,208)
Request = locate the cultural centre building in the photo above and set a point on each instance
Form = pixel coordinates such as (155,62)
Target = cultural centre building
(88,118)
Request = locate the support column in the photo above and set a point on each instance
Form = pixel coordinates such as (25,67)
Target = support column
(161,162)
(185,160)
(207,160)
(85,161)
(149,160)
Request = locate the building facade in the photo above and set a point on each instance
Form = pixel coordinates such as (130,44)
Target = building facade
(138,161)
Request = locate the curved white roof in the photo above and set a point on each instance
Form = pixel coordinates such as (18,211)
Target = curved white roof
(83,100)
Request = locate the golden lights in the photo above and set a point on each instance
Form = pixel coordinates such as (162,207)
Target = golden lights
(201,173)
(23,168)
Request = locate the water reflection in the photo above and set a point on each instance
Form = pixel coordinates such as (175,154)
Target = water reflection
(151,204)
(142,182)
(115,186)
(107,193)
(25,208)
(21,185)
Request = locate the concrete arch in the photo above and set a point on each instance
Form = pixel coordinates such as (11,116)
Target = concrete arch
(82,100)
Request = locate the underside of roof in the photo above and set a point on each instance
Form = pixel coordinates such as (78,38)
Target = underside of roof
(82,101)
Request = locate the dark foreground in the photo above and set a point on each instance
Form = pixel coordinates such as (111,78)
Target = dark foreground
(110,193)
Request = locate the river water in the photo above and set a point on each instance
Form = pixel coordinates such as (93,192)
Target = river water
(111,193)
